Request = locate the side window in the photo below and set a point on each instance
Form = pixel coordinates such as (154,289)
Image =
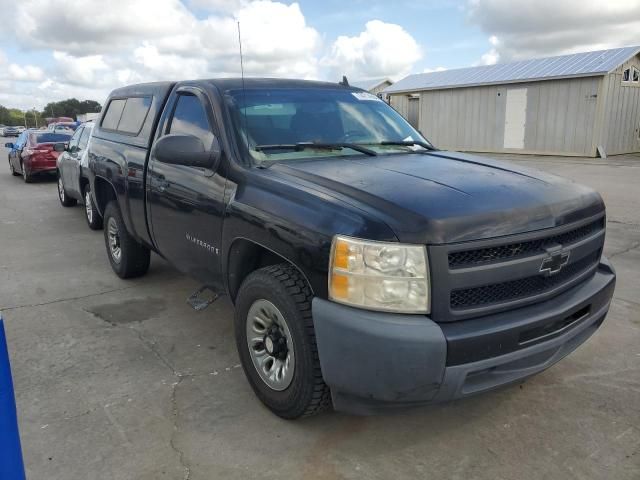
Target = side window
(113,114)
(133,115)
(21,140)
(75,139)
(84,138)
(190,118)
(635,77)
(626,75)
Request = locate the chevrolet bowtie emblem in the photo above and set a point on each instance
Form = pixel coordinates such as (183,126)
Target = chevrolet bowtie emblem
(555,260)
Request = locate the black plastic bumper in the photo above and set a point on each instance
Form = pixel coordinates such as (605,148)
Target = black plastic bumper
(374,361)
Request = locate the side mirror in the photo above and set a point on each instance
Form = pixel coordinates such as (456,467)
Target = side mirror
(176,149)
(8,145)
(73,149)
(59,147)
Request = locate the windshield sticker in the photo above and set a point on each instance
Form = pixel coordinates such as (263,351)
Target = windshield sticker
(365,96)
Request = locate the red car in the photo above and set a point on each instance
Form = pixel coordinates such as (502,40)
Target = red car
(33,153)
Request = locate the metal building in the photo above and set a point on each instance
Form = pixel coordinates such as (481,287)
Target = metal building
(581,104)
(375,86)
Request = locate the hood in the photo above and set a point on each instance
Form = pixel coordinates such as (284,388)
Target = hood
(444,197)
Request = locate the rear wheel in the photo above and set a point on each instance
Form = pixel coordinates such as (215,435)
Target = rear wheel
(276,342)
(65,200)
(13,170)
(128,258)
(26,176)
(94,220)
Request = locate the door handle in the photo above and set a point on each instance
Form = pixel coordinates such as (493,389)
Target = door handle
(162,183)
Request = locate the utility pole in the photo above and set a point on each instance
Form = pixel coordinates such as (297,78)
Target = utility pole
(25,119)
(35,114)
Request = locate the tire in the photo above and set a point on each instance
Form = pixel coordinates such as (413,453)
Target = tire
(13,170)
(93,217)
(26,176)
(127,257)
(65,200)
(300,391)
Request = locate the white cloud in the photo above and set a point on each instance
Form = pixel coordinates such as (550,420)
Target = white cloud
(14,72)
(94,27)
(492,56)
(167,66)
(25,73)
(218,5)
(381,50)
(527,29)
(437,69)
(129,41)
(87,70)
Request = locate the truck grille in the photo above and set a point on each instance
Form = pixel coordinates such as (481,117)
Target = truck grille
(478,278)
(521,288)
(481,256)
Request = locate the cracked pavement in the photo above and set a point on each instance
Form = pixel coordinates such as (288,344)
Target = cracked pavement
(122,380)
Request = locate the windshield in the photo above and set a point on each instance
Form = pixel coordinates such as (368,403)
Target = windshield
(285,118)
(49,137)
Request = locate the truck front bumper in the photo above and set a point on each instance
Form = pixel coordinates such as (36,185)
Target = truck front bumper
(374,361)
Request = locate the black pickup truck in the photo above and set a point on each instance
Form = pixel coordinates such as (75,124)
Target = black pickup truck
(368,269)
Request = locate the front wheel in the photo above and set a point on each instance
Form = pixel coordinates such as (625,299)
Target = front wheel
(276,342)
(94,220)
(128,258)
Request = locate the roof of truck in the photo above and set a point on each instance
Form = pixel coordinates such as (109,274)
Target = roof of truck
(225,84)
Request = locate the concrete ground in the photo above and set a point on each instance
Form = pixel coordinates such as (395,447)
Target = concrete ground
(122,380)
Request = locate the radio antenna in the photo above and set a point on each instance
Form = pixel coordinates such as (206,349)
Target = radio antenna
(244,97)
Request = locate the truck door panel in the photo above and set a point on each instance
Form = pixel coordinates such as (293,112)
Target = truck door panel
(186,203)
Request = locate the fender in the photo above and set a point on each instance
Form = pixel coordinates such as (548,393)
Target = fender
(291,222)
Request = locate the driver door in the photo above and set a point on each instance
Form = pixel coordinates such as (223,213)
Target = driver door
(16,152)
(186,203)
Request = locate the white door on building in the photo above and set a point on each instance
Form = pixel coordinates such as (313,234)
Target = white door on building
(515,118)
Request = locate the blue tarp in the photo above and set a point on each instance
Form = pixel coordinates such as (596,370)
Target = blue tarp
(11,464)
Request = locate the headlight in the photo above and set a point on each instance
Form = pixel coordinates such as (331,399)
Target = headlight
(392,277)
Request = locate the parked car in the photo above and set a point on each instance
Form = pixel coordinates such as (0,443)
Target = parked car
(62,127)
(73,181)
(10,131)
(33,153)
(368,269)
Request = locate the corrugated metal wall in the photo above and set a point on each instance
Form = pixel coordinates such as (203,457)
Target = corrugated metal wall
(621,125)
(560,116)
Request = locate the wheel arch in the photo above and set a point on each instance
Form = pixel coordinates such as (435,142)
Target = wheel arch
(83,182)
(104,192)
(246,256)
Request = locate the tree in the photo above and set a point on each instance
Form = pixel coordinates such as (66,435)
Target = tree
(71,107)
(13,116)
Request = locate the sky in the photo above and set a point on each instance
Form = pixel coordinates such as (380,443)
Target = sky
(53,50)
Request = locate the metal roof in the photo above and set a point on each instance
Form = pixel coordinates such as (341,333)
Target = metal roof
(369,84)
(563,66)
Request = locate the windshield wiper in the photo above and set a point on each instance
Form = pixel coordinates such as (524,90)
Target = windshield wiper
(298,147)
(408,143)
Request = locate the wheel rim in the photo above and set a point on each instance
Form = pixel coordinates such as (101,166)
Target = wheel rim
(270,344)
(114,240)
(60,189)
(87,206)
